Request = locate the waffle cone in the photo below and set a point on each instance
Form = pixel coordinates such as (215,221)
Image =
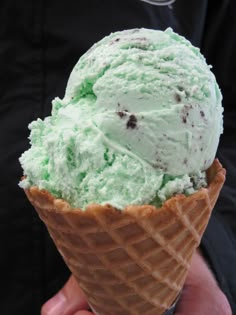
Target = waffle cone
(133,261)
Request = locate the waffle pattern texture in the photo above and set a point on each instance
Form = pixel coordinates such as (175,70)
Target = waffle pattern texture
(133,261)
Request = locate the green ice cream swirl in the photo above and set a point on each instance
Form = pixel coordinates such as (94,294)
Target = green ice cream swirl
(140,122)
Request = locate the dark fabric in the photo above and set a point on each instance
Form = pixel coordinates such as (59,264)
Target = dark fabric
(218,243)
(219,247)
(40,41)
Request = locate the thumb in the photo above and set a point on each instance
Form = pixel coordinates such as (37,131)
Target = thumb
(69,300)
(201,294)
(198,301)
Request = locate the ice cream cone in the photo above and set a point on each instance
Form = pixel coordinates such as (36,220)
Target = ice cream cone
(132,261)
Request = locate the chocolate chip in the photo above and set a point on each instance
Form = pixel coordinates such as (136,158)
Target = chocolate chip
(185,112)
(178,98)
(180,88)
(132,122)
(202,113)
(192,179)
(184,119)
(121,114)
(113,41)
(185,161)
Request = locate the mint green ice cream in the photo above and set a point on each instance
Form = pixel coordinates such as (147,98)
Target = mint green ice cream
(140,121)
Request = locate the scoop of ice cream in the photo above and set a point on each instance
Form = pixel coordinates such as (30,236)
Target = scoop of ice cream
(140,121)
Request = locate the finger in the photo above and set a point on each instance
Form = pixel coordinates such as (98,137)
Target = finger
(83,313)
(193,301)
(67,301)
(199,272)
(196,301)
(201,294)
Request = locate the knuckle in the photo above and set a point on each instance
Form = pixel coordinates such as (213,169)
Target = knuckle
(225,306)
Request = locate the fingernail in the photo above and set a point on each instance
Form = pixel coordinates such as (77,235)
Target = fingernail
(55,306)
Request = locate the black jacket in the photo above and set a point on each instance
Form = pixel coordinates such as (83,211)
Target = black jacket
(40,41)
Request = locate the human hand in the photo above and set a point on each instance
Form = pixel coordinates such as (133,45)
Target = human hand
(201,295)
(70,300)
